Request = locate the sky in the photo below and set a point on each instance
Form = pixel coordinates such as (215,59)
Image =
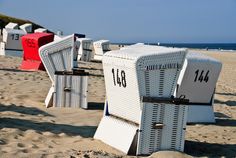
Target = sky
(152,21)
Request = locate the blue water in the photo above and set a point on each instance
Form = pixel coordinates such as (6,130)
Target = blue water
(208,46)
(220,46)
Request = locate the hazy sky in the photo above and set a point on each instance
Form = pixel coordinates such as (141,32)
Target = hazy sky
(133,20)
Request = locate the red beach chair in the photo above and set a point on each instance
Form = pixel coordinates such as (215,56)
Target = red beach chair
(31,43)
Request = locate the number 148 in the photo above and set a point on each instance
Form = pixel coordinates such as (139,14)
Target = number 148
(119,77)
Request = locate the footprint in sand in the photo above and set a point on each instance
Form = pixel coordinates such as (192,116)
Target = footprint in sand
(34,146)
(2,142)
(50,146)
(7,74)
(24,151)
(20,145)
(37,138)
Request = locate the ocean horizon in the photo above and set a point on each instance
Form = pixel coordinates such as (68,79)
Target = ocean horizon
(207,46)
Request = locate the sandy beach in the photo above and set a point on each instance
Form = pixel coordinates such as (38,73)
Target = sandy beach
(29,129)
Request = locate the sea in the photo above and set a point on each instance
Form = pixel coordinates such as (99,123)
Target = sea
(206,46)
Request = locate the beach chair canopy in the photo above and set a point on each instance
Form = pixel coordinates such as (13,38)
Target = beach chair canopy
(60,55)
(198,78)
(100,47)
(12,25)
(26,27)
(31,44)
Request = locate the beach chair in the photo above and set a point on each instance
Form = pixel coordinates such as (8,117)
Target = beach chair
(60,55)
(197,82)
(12,25)
(27,27)
(40,30)
(60,60)
(31,44)
(100,47)
(12,40)
(141,114)
(85,52)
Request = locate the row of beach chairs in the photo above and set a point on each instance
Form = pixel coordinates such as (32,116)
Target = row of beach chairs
(12,42)
(27,27)
(151,91)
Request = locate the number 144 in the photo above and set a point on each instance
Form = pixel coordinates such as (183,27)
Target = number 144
(201,76)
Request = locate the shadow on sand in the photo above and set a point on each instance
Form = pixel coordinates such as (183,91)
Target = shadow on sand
(233,94)
(14,70)
(226,122)
(221,115)
(219,122)
(23,110)
(24,125)
(228,102)
(95,106)
(209,149)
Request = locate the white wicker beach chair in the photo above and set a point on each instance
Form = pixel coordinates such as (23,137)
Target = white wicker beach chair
(197,82)
(60,55)
(12,25)
(100,48)
(142,116)
(85,51)
(12,45)
(12,38)
(26,27)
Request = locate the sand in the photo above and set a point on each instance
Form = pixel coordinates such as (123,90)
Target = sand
(28,129)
